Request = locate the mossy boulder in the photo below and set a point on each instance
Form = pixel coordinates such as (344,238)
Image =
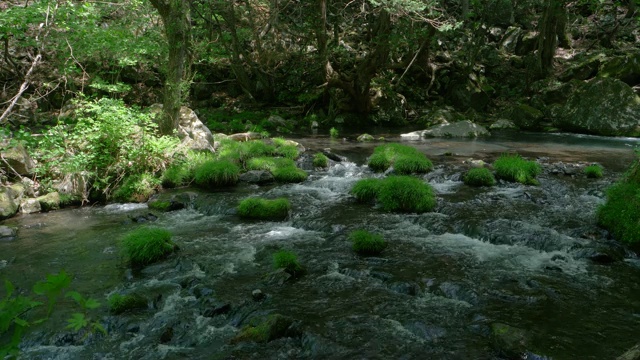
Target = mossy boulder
(601,106)
(274,327)
(119,304)
(147,245)
(49,202)
(460,129)
(625,68)
(16,159)
(509,341)
(9,202)
(526,117)
(264,209)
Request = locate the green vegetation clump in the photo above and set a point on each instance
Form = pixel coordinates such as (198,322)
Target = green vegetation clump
(264,209)
(216,173)
(147,245)
(137,188)
(405,159)
(366,243)
(334,133)
(176,175)
(274,327)
(366,190)
(512,167)
(406,194)
(269,163)
(288,261)
(479,177)
(620,214)
(320,160)
(289,174)
(119,304)
(159,205)
(288,151)
(593,171)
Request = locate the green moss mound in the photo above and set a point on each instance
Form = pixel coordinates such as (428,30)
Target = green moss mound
(162,205)
(147,245)
(512,167)
(274,327)
(366,243)
(406,194)
(366,190)
(479,177)
(289,174)
(119,304)
(288,261)
(621,213)
(264,209)
(594,171)
(405,159)
(215,173)
(320,160)
(269,163)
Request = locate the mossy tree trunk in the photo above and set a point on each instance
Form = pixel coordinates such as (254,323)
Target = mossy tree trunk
(554,13)
(175,15)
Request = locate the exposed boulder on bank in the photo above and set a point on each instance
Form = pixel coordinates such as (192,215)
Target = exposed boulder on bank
(172,201)
(601,106)
(625,68)
(191,131)
(257,177)
(463,128)
(526,117)
(30,206)
(10,197)
(49,202)
(503,124)
(365,137)
(16,160)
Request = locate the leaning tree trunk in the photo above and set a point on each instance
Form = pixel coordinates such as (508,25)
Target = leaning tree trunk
(547,38)
(177,28)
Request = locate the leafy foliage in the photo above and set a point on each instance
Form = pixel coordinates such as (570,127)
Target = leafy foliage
(137,188)
(109,142)
(512,167)
(147,245)
(15,310)
(366,243)
(265,209)
(479,177)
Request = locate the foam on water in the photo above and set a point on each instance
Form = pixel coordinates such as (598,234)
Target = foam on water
(119,208)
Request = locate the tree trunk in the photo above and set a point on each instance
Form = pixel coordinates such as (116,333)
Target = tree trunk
(547,38)
(177,28)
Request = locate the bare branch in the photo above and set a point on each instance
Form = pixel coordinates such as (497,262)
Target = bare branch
(23,88)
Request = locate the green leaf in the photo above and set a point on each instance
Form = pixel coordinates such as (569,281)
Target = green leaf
(91,304)
(97,326)
(21,322)
(75,296)
(77,321)
(9,288)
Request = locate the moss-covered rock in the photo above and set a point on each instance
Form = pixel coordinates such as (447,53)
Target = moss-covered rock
(601,106)
(625,68)
(119,304)
(8,202)
(49,202)
(366,243)
(16,159)
(526,117)
(274,327)
(264,209)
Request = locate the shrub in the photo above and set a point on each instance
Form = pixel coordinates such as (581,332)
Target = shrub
(146,245)
(216,173)
(479,177)
(620,214)
(512,167)
(288,261)
(412,164)
(176,175)
(256,208)
(406,194)
(593,171)
(137,188)
(366,190)
(405,159)
(320,160)
(289,174)
(119,304)
(366,243)
(268,163)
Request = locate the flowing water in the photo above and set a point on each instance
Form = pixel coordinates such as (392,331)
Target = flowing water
(530,257)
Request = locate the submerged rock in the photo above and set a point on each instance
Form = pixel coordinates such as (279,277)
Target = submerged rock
(257,177)
(365,137)
(464,128)
(7,233)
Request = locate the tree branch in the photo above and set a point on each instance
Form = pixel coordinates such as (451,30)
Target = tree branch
(23,88)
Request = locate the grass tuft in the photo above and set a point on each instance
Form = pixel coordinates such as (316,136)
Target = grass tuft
(406,194)
(594,171)
(288,261)
(405,159)
(264,209)
(512,167)
(289,174)
(320,160)
(366,190)
(366,243)
(479,177)
(214,173)
(147,245)
(119,304)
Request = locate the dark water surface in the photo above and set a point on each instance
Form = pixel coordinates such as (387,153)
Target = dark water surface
(511,254)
